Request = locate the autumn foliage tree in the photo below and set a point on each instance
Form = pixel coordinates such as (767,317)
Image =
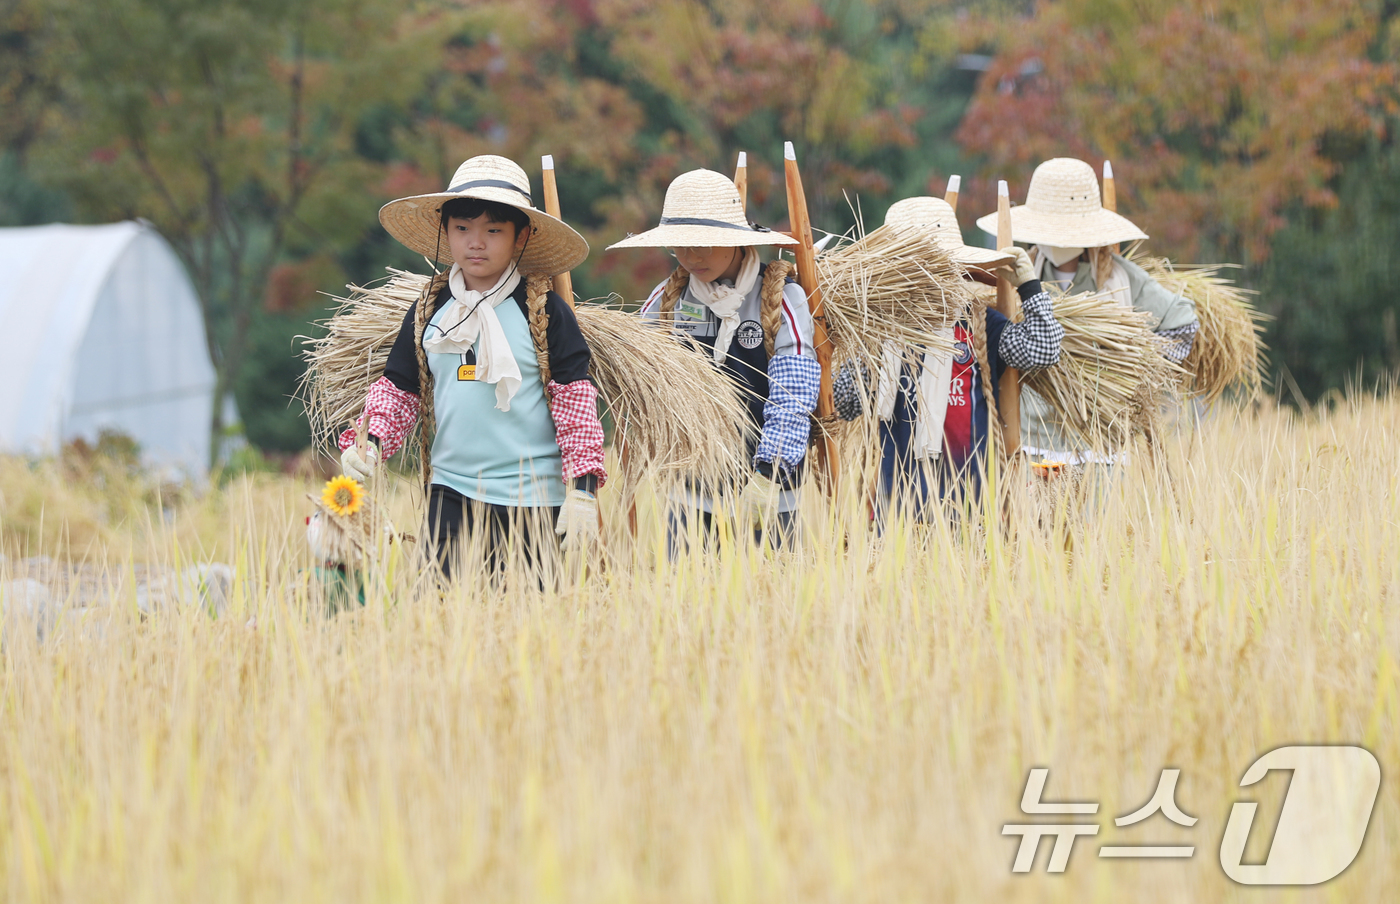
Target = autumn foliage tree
(1217,115)
(230,125)
(726,76)
(626,94)
(261,136)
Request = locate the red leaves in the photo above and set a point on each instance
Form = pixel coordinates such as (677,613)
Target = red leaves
(1212,114)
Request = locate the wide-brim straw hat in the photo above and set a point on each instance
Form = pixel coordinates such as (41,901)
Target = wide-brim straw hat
(1065,209)
(703,210)
(416,221)
(938,215)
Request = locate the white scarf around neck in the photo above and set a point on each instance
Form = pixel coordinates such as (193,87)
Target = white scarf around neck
(471,316)
(930,390)
(724,300)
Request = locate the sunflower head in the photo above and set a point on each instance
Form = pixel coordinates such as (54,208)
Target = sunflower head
(343,495)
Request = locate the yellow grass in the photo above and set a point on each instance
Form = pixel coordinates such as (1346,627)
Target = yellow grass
(851,726)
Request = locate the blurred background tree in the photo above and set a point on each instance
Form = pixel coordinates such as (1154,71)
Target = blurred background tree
(1256,132)
(261,136)
(230,125)
(27,90)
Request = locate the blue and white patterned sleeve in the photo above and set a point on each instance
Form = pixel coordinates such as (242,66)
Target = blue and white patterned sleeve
(792,397)
(1177,343)
(1033,342)
(847,389)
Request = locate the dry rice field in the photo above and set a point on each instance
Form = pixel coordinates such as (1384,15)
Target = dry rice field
(854,721)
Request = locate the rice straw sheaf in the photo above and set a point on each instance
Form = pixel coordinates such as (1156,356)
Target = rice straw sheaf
(1111,379)
(342,364)
(679,414)
(893,285)
(1228,350)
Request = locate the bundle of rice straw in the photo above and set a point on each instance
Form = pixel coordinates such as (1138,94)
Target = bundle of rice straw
(894,285)
(1111,380)
(342,364)
(679,414)
(1228,350)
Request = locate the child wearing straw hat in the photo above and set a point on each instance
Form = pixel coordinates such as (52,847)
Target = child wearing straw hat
(754,323)
(491,364)
(1074,239)
(935,415)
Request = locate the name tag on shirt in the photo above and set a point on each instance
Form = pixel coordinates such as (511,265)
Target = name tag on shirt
(466,371)
(692,311)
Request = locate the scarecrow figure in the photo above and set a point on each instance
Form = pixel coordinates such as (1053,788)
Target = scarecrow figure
(1075,243)
(935,410)
(753,321)
(491,365)
(345,533)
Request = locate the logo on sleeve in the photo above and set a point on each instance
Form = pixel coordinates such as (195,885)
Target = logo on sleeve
(749,334)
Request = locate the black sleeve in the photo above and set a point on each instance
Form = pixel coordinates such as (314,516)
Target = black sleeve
(402,366)
(996,324)
(569,356)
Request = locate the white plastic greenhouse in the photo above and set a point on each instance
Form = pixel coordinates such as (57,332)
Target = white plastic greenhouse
(101,329)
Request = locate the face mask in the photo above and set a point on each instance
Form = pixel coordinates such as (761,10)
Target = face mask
(1060,256)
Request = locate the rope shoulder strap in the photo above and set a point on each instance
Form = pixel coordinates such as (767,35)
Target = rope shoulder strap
(770,302)
(537,289)
(427,422)
(675,287)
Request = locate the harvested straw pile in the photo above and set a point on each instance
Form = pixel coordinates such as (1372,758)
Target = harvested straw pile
(1227,351)
(891,285)
(681,415)
(1111,378)
(678,413)
(341,366)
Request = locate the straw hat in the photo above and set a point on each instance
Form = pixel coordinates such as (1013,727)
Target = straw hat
(939,215)
(416,221)
(1064,208)
(703,210)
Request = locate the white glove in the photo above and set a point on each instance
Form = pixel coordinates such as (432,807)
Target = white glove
(578,521)
(758,502)
(1018,271)
(362,468)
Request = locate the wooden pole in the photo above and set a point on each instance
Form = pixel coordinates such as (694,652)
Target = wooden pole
(828,460)
(954,183)
(563,283)
(741,179)
(1110,193)
(1008,304)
